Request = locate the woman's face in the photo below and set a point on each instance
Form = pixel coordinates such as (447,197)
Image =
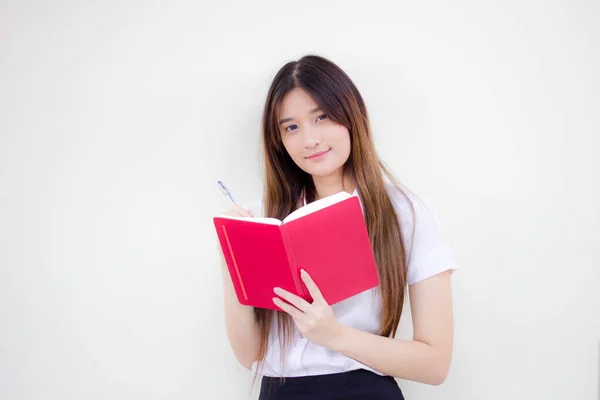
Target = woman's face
(317,145)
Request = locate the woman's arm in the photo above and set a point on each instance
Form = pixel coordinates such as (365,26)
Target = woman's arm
(242,330)
(424,359)
(240,323)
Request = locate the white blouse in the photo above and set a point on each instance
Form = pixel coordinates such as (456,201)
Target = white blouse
(430,256)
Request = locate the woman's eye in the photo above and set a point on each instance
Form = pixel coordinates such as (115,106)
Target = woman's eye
(291,128)
(321,117)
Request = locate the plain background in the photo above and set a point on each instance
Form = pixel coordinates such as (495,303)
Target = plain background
(118,118)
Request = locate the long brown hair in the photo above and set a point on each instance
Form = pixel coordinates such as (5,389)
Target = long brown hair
(339,98)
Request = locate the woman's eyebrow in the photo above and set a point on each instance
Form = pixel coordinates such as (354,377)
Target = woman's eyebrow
(288,119)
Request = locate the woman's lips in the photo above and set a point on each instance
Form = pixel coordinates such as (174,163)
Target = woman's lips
(318,155)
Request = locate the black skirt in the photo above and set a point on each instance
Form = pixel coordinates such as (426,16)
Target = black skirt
(353,385)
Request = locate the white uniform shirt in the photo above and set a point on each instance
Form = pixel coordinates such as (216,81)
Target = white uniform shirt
(430,256)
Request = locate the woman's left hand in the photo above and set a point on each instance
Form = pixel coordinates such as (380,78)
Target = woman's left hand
(315,321)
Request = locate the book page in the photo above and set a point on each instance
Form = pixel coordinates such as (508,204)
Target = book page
(317,205)
(258,220)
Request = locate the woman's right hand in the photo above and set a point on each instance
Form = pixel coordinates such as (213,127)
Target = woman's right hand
(237,211)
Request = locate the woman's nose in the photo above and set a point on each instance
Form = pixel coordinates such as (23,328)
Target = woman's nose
(312,138)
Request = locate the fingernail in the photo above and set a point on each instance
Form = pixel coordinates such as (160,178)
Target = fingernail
(276,290)
(303,272)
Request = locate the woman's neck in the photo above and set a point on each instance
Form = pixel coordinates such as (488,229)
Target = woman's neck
(329,185)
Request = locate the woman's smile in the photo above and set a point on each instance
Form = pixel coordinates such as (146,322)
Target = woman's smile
(318,155)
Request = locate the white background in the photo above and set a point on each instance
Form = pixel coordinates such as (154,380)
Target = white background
(117,119)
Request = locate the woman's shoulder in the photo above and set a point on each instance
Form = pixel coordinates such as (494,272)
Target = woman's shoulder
(412,210)
(429,251)
(407,204)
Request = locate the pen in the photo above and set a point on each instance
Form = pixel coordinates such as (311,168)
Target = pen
(225,191)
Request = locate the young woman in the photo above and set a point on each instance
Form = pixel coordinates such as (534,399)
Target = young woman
(317,142)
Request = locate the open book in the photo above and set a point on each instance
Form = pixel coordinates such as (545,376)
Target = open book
(328,238)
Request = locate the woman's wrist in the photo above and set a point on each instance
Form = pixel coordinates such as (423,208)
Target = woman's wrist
(340,337)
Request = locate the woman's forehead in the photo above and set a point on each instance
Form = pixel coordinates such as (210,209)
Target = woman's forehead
(297,103)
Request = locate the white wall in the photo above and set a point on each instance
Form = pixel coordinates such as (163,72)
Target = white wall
(117,119)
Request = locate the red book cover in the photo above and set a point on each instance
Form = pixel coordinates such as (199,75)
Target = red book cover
(328,238)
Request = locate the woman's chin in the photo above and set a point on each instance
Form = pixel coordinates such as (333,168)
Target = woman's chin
(324,172)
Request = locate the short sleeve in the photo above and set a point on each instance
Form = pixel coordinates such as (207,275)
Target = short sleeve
(428,253)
